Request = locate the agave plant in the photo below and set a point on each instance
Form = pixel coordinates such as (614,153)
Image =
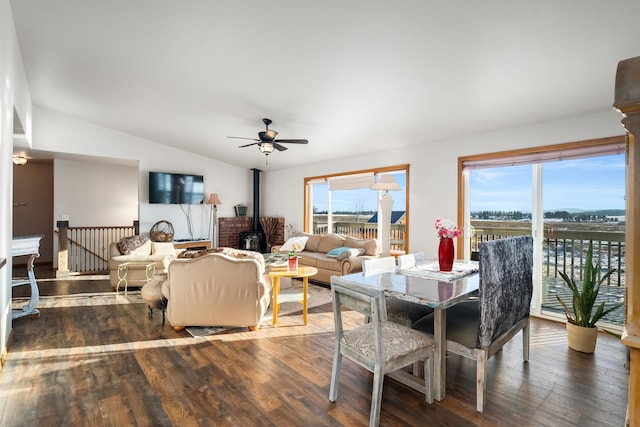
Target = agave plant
(584,299)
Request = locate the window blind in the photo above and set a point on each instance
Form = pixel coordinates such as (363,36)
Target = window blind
(351,182)
(546,156)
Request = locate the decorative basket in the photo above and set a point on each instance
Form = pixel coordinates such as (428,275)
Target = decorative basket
(162,231)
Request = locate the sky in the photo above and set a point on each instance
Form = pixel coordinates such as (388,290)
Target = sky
(587,184)
(362,199)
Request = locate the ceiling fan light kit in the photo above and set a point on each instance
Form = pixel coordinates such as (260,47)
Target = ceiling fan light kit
(267,141)
(265,148)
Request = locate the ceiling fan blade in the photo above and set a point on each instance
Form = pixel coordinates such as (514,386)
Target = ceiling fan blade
(278,146)
(292,141)
(242,137)
(248,145)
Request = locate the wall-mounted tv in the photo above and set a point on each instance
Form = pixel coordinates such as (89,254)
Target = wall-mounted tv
(175,188)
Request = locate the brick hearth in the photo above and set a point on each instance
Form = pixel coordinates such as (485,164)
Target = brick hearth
(231,227)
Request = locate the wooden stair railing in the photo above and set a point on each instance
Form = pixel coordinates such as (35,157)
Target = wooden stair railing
(84,250)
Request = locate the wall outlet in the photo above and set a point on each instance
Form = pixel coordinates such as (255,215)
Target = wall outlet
(64,217)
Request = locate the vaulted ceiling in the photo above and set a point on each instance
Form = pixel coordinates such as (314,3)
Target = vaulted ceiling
(349,76)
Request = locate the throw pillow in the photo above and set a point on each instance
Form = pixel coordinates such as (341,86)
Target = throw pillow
(337,251)
(370,245)
(289,245)
(313,242)
(351,253)
(163,248)
(128,245)
(199,253)
(330,241)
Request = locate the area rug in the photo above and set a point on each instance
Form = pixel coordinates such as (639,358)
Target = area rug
(318,295)
(203,331)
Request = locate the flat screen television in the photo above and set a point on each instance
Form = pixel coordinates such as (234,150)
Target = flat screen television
(175,188)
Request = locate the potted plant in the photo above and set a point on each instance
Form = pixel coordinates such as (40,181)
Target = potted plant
(581,318)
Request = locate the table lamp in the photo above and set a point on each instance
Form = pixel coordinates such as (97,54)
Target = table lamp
(386,183)
(214,201)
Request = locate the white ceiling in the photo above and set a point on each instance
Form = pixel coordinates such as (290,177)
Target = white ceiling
(349,76)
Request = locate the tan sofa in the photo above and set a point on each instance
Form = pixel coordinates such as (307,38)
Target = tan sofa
(228,288)
(316,254)
(138,249)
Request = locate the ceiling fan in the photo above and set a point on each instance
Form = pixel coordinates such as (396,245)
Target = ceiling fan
(267,141)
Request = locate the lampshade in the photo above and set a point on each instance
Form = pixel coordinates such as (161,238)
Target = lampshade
(214,200)
(19,160)
(270,134)
(386,182)
(266,148)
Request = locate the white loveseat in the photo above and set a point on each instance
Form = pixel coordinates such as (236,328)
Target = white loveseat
(139,249)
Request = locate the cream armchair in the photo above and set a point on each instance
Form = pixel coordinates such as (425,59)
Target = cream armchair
(217,289)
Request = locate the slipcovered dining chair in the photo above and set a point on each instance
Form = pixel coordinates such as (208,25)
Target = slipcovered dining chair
(410,260)
(399,311)
(479,329)
(379,346)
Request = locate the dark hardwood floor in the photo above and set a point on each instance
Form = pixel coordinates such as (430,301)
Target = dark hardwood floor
(92,359)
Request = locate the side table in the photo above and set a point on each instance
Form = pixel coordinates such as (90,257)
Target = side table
(123,270)
(302,272)
(27,245)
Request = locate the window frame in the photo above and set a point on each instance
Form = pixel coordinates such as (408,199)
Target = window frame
(592,145)
(308,181)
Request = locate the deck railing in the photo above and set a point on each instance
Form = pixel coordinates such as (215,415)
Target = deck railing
(566,250)
(364,230)
(85,250)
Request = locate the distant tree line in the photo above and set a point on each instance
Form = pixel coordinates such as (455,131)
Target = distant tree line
(584,216)
(501,215)
(324,212)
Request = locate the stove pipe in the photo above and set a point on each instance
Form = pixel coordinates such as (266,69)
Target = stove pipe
(256,199)
(254,240)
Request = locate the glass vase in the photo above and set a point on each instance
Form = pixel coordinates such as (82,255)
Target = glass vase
(293,263)
(445,254)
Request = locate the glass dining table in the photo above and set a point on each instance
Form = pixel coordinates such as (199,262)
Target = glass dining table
(433,289)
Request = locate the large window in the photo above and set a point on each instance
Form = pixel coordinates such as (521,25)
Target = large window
(345,204)
(564,196)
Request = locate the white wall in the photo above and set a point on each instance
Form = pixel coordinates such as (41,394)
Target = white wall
(58,133)
(93,193)
(14,94)
(433,170)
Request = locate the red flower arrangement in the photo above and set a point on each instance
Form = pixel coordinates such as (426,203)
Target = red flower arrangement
(447,228)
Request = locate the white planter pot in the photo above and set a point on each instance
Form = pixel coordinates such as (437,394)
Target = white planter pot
(582,339)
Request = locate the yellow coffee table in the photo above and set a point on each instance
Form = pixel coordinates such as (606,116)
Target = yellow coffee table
(302,272)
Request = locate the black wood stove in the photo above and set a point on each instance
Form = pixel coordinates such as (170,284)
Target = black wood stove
(255,239)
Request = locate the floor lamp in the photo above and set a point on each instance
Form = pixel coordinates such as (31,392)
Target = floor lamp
(386,183)
(214,201)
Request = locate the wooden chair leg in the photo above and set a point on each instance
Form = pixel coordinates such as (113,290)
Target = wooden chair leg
(526,335)
(428,379)
(376,397)
(481,379)
(335,375)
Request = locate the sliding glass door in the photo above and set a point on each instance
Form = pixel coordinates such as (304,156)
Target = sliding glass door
(564,201)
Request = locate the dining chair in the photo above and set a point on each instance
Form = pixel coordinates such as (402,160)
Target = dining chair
(399,311)
(378,265)
(479,329)
(410,260)
(380,346)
